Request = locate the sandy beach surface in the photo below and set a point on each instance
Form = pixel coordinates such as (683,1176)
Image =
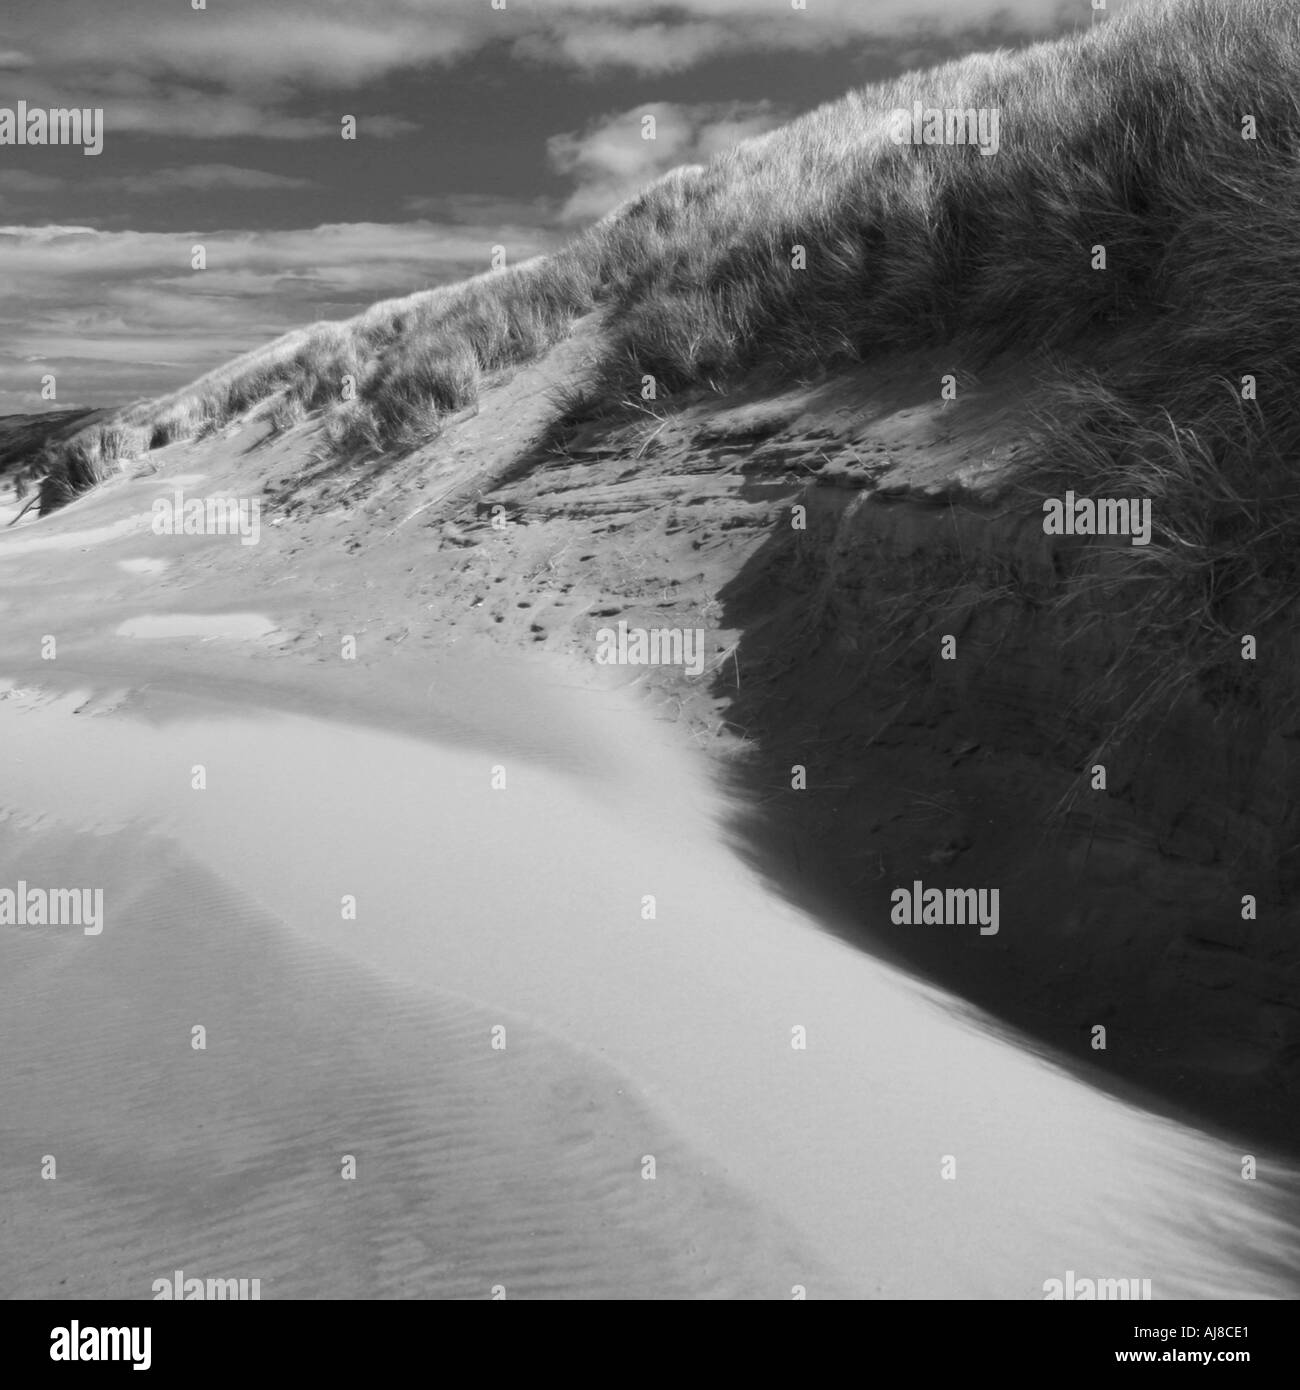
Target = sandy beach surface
(720,1099)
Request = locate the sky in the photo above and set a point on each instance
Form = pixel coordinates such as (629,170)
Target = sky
(478,123)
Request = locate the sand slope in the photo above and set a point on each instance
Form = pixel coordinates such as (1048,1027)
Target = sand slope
(776,1167)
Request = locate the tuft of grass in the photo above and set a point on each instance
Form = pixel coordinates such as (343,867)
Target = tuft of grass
(409,362)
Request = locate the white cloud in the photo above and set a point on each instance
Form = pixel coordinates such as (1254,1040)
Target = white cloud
(248,45)
(650,48)
(611,161)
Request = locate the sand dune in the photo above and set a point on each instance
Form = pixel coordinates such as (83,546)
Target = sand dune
(775,1167)
(429,957)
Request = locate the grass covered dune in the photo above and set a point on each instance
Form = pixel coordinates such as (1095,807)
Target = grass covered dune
(1130,137)
(1166,135)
